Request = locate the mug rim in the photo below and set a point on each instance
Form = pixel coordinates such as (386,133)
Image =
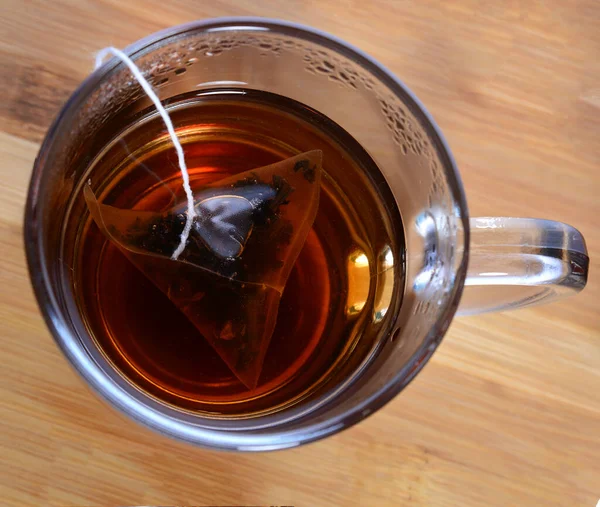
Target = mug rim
(140,410)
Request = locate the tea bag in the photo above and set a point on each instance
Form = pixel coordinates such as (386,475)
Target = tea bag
(246,236)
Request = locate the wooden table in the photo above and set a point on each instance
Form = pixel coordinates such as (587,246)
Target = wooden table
(508,410)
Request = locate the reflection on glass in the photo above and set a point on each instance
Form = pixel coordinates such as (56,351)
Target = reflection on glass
(385,284)
(359,281)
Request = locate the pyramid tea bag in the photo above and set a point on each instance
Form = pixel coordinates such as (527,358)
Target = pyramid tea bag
(248,231)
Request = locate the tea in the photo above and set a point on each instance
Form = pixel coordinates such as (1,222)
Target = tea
(334,301)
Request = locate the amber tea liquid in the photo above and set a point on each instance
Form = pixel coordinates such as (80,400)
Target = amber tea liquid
(334,305)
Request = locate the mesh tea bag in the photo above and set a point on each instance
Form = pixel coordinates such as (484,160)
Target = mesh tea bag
(248,231)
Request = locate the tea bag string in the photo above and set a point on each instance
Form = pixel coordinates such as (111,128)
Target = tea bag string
(191,212)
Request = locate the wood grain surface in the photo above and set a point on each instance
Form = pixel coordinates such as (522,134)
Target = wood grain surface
(508,410)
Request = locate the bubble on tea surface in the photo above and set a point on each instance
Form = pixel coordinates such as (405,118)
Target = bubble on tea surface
(246,237)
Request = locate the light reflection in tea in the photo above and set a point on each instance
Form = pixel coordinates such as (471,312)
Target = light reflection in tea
(359,281)
(385,284)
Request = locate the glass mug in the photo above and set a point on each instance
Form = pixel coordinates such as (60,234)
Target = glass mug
(453,263)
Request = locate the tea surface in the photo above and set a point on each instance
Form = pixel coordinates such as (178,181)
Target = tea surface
(337,293)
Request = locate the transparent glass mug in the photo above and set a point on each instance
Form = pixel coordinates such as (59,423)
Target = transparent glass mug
(452,263)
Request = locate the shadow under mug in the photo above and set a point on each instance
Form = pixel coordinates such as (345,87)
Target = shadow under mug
(512,262)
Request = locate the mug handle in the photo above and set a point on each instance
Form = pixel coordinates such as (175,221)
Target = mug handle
(517,262)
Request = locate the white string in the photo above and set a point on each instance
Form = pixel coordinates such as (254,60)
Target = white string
(191,212)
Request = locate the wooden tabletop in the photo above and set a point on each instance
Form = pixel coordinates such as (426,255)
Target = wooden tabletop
(508,410)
